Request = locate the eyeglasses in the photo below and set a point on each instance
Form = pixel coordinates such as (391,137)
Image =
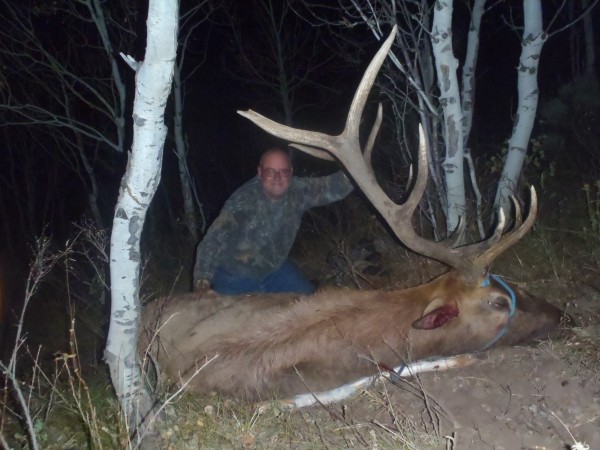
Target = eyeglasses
(272,173)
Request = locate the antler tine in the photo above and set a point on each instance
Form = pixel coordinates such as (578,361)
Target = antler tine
(475,249)
(518,215)
(421,181)
(296,135)
(313,152)
(372,135)
(366,83)
(402,223)
(508,240)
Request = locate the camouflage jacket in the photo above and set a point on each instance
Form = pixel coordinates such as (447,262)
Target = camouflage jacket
(252,236)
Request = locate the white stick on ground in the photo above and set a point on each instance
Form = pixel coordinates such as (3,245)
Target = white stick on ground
(350,389)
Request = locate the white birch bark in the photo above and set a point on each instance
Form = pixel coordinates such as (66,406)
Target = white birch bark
(446,67)
(153,84)
(533,40)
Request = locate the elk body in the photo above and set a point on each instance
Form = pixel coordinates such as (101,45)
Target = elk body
(286,344)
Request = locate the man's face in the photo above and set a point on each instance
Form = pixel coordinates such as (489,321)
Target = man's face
(275,174)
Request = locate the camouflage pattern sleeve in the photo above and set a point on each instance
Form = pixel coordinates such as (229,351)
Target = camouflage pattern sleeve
(211,249)
(324,190)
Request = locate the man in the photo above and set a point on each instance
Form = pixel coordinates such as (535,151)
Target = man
(247,246)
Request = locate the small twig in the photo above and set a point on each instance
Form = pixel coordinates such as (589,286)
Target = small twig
(23,402)
(576,444)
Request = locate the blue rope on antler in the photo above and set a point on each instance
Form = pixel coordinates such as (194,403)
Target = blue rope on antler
(512,308)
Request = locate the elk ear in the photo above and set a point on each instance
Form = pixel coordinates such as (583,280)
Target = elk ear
(437,314)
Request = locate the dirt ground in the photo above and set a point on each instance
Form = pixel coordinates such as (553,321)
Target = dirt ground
(530,398)
(515,398)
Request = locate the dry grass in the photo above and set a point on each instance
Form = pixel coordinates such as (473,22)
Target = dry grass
(372,421)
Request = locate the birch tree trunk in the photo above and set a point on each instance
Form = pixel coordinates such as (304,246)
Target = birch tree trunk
(446,65)
(153,84)
(531,48)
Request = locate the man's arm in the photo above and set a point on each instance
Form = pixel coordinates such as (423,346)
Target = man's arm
(211,248)
(324,190)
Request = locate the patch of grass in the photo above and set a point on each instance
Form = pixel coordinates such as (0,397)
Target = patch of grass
(552,252)
(67,410)
(193,423)
(580,350)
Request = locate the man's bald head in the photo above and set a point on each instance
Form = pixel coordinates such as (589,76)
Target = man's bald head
(275,172)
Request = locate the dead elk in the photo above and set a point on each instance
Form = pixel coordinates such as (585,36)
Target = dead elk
(287,345)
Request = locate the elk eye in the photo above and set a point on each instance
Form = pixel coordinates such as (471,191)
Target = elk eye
(499,303)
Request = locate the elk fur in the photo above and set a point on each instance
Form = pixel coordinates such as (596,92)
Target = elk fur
(281,344)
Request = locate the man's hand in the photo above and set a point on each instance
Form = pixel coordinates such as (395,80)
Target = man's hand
(202,286)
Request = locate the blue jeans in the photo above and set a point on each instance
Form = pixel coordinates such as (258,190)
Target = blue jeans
(287,278)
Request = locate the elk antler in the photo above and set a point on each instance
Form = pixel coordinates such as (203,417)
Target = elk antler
(470,260)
